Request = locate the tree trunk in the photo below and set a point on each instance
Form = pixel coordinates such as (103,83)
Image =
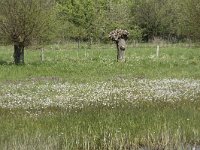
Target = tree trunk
(120,55)
(18,53)
(121,46)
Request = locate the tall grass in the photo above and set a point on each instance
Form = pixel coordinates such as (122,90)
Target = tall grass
(84,99)
(147,125)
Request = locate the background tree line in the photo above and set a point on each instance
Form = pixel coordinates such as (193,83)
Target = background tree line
(171,20)
(91,20)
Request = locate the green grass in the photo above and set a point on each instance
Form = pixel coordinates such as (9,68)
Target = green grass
(100,64)
(154,126)
(84,99)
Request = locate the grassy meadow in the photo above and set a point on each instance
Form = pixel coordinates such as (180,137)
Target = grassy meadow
(84,99)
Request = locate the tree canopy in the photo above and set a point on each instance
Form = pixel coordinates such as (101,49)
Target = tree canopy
(94,19)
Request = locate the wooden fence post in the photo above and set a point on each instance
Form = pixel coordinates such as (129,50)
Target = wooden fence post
(157,51)
(42,54)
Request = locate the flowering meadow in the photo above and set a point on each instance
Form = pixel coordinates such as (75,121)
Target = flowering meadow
(33,94)
(83,99)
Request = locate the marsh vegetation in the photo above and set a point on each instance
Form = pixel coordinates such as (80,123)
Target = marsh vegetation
(84,99)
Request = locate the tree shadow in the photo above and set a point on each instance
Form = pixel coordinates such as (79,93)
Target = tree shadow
(7,63)
(2,63)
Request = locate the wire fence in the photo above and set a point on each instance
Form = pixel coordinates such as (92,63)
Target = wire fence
(73,45)
(85,45)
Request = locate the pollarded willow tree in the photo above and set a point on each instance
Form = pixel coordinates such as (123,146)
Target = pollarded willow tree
(23,20)
(120,37)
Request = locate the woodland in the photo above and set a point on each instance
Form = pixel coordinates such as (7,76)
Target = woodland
(42,21)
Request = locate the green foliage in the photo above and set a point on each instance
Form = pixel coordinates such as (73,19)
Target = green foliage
(92,20)
(189,19)
(156,18)
(79,17)
(166,19)
(26,20)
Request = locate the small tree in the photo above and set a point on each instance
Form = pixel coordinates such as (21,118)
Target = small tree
(23,20)
(120,37)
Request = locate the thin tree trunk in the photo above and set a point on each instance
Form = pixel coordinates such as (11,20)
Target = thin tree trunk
(42,54)
(90,42)
(79,43)
(18,53)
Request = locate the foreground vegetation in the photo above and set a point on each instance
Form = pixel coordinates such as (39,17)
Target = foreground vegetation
(146,125)
(84,99)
